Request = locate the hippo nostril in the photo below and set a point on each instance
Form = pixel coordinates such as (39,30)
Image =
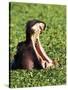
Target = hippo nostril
(45,65)
(40,27)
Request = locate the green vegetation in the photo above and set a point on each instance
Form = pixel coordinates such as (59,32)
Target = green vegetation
(53,40)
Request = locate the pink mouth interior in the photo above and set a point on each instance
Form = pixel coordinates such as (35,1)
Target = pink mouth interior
(39,50)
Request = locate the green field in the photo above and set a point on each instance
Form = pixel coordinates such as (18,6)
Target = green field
(53,40)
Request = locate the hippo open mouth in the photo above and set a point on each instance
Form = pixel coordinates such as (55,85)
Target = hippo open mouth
(41,55)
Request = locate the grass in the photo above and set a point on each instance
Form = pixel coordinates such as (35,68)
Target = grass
(53,40)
